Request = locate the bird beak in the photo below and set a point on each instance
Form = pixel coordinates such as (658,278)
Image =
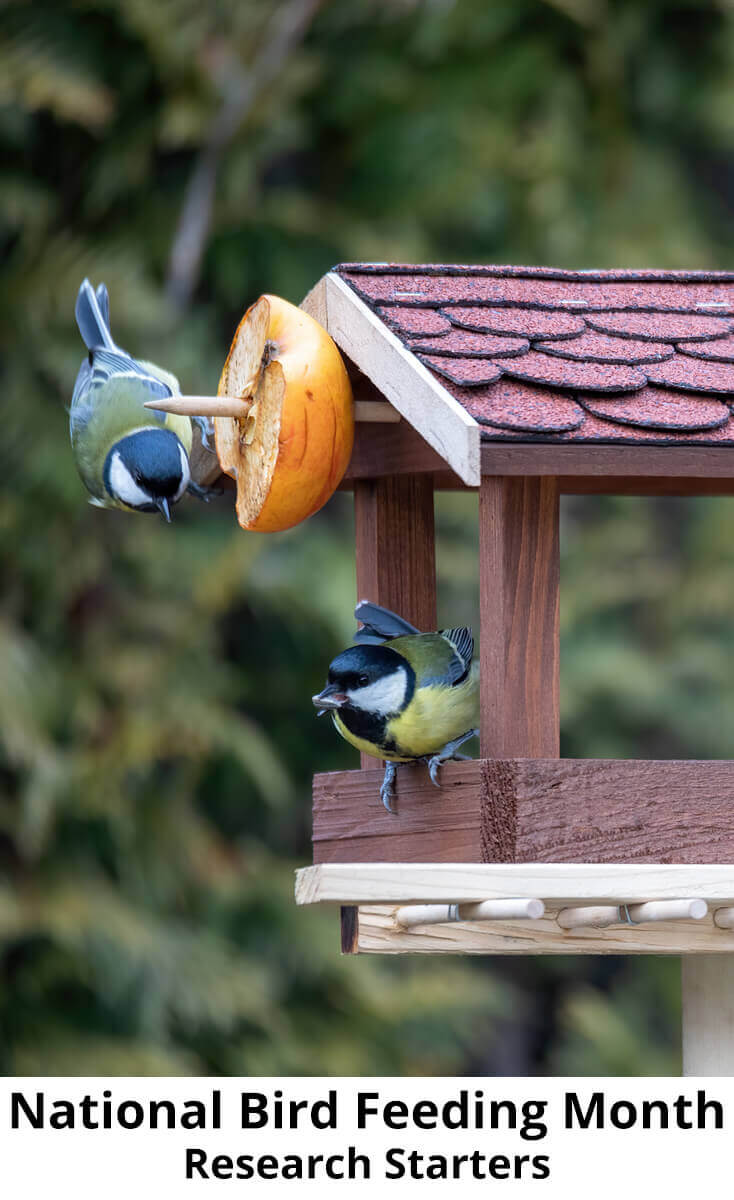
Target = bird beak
(162,506)
(331,697)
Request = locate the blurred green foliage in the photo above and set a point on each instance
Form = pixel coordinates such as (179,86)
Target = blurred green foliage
(156,735)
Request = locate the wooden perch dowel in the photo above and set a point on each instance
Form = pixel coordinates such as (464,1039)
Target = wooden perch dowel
(667,910)
(724,918)
(598,916)
(485,910)
(590,916)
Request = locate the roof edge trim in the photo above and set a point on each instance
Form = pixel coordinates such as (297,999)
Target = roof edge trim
(400,376)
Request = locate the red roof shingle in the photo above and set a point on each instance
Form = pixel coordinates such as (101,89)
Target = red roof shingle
(534,353)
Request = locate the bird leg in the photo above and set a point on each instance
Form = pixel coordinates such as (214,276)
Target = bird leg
(203,493)
(448,752)
(387,791)
(206,430)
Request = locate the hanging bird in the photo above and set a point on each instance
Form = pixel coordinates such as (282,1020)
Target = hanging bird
(403,696)
(127,456)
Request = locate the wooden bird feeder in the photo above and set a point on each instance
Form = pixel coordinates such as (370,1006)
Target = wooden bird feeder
(525,384)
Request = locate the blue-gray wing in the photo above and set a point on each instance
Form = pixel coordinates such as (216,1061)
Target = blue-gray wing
(379,624)
(109,363)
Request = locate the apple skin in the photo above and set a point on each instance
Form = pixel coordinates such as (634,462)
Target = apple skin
(316,435)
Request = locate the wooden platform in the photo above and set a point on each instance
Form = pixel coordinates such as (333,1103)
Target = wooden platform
(375,892)
(531,810)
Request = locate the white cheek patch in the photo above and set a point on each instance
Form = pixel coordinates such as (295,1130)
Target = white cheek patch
(185,474)
(384,696)
(122,485)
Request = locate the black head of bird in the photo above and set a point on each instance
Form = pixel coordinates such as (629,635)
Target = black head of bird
(147,470)
(401,695)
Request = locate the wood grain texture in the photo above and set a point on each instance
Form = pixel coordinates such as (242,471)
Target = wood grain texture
(531,811)
(379,933)
(396,566)
(519,578)
(350,822)
(708,1015)
(395,537)
(392,450)
(558,884)
(403,379)
(650,485)
(535,458)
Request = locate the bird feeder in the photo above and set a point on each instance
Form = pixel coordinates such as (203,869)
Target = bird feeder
(526,384)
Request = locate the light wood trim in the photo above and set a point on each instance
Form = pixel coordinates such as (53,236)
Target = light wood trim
(314,303)
(379,933)
(400,376)
(560,883)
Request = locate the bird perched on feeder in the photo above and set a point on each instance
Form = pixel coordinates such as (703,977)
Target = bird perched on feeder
(127,456)
(403,696)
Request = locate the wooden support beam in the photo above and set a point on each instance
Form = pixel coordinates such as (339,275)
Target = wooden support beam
(708,1014)
(396,556)
(536,458)
(531,810)
(519,578)
(396,567)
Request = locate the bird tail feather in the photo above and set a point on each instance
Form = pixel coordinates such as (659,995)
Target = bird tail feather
(92,316)
(378,624)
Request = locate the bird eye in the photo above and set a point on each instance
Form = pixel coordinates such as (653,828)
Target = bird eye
(363,680)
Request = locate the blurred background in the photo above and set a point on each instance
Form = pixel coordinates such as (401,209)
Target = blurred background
(156,734)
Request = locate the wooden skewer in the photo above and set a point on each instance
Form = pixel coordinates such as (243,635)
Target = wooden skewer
(724,918)
(597,916)
(485,910)
(202,406)
(235,406)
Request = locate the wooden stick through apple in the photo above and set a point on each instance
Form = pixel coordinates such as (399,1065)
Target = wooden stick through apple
(239,406)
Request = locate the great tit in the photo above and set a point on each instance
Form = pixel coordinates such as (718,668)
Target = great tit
(401,695)
(127,456)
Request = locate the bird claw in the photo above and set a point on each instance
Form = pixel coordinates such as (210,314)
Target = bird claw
(387,790)
(206,430)
(448,752)
(433,765)
(203,493)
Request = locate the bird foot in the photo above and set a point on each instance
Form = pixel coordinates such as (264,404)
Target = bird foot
(206,430)
(448,752)
(387,790)
(203,493)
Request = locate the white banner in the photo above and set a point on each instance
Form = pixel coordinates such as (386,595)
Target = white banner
(92,1138)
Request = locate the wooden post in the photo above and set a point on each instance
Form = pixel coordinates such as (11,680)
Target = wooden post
(396,567)
(708,1014)
(519,602)
(396,556)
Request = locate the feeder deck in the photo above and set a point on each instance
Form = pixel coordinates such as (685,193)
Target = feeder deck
(380,889)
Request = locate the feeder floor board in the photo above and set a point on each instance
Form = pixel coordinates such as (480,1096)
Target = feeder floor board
(530,810)
(558,884)
(381,889)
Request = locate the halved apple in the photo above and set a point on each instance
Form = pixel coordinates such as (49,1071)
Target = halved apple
(289,452)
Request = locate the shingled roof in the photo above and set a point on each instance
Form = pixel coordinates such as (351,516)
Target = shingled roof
(535,354)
